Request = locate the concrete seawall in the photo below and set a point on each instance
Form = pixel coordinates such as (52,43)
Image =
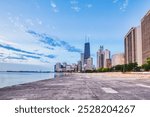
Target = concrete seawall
(77,86)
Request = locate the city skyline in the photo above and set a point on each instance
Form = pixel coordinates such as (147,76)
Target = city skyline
(55,30)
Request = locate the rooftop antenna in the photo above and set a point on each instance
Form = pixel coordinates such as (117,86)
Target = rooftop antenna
(86,39)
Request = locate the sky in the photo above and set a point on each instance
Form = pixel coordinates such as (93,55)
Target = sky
(36,34)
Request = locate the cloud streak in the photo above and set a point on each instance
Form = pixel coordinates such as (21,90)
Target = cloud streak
(28,54)
(16,58)
(54,7)
(47,40)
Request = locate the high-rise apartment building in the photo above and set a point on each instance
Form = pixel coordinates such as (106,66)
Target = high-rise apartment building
(58,67)
(89,65)
(86,52)
(100,57)
(108,63)
(145,29)
(106,57)
(117,59)
(82,61)
(64,64)
(133,46)
(79,65)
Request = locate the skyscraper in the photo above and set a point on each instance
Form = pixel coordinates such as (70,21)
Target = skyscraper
(86,52)
(133,46)
(106,57)
(89,65)
(100,57)
(79,65)
(117,59)
(82,58)
(58,67)
(145,28)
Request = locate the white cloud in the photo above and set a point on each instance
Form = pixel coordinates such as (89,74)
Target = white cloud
(1,36)
(76,8)
(11,19)
(4,41)
(73,2)
(75,5)
(89,5)
(30,22)
(115,1)
(123,4)
(54,7)
(39,21)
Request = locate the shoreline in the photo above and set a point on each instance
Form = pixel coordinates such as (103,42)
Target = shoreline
(112,75)
(81,86)
(57,75)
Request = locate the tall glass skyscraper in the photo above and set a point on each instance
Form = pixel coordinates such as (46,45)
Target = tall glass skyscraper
(100,57)
(86,51)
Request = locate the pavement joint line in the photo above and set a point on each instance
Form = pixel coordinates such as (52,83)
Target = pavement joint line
(19,99)
(109,90)
(142,85)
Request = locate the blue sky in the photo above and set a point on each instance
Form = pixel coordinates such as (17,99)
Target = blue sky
(43,32)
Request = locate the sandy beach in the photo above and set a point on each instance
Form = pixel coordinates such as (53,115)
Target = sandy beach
(137,75)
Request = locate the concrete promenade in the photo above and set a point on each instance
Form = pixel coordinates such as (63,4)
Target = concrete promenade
(101,86)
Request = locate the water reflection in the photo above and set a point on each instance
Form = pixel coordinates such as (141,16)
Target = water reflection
(15,78)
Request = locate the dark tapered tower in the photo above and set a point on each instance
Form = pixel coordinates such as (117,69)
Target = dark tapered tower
(86,51)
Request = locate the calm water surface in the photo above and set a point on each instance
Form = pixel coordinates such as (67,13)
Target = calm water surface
(14,78)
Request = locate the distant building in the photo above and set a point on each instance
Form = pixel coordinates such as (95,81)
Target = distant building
(89,65)
(74,67)
(108,63)
(86,52)
(133,46)
(79,66)
(82,61)
(117,59)
(58,67)
(69,68)
(100,57)
(145,29)
(64,64)
(106,58)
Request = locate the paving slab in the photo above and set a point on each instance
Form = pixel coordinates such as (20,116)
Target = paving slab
(81,87)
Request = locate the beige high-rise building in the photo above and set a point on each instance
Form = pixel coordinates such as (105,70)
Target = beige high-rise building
(133,46)
(89,65)
(117,59)
(145,29)
(106,57)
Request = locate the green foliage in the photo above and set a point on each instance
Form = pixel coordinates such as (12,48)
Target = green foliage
(103,70)
(146,67)
(131,67)
(148,61)
(126,67)
(89,71)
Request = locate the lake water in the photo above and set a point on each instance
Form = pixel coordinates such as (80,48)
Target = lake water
(14,78)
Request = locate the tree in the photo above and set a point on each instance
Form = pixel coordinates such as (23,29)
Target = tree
(148,61)
(146,67)
(103,70)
